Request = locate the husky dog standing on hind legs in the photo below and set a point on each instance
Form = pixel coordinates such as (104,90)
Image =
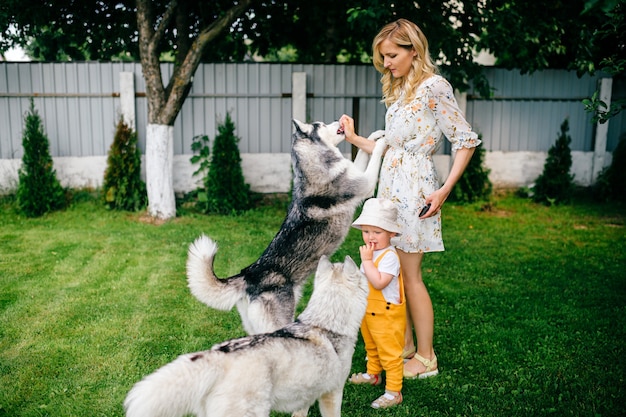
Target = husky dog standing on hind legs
(287,370)
(327,189)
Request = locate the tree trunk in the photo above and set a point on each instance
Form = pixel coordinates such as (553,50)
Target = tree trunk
(164,104)
(159,171)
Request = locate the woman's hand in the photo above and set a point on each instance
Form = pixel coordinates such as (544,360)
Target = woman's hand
(347,124)
(436,200)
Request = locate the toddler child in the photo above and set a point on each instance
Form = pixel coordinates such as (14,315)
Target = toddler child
(385,318)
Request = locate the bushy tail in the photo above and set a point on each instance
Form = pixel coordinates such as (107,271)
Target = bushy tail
(221,294)
(175,390)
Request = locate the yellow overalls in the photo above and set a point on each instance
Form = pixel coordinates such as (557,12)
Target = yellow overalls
(383,333)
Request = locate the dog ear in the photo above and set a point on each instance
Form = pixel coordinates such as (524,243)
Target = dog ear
(324,264)
(301,128)
(349,266)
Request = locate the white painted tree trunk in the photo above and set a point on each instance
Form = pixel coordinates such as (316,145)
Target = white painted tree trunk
(159,171)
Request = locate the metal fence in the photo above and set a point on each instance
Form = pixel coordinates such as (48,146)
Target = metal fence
(79,105)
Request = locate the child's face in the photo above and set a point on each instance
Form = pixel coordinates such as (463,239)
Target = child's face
(376,236)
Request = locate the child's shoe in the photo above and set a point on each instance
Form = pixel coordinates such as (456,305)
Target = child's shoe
(364,378)
(387,400)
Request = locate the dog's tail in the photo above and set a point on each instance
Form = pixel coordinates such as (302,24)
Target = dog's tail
(221,294)
(175,390)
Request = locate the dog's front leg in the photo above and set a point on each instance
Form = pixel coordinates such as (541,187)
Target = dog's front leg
(330,403)
(373,167)
(362,158)
(301,413)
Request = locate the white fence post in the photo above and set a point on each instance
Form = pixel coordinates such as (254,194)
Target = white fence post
(127,98)
(298,96)
(602,130)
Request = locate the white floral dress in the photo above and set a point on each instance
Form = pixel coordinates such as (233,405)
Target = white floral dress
(414,133)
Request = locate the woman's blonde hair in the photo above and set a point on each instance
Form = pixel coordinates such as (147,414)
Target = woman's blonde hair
(405,34)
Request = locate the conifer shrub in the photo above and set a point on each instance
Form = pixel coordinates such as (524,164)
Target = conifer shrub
(225,189)
(123,188)
(201,147)
(555,185)
(611,183)
(39,191)
(474,185)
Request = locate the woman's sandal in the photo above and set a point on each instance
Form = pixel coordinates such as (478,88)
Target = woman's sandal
(408,353)
(430,364)
(360,379)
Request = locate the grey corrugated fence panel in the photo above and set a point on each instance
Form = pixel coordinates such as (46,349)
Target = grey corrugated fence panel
(258,97)
(79,105)
(526,111)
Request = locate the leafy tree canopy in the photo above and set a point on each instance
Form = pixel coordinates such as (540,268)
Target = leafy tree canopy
(585,35)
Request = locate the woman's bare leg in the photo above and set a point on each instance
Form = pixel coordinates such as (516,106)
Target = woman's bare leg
(409,342)
(420,307)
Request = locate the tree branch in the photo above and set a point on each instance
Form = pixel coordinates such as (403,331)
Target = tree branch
(155,93)
(167,17)
(179,84)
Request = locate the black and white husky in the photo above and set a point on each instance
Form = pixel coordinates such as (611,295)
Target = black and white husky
(286,370)
(327,189)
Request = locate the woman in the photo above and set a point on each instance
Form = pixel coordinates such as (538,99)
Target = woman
(421,109)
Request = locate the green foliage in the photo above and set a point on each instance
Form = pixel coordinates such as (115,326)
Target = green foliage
(529,36)
(555,184)
(605,49)
(611,183)
(605,52)
(39,190)
(123,188)
(225,189)
(474,184)
(202,154)
(200,145)
(601,111)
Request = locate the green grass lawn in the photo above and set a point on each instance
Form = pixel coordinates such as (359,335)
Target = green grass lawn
(530,308)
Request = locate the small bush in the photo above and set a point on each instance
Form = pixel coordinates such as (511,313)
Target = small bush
(200,146)
(123,188)
(225,189)
(611,183)
(555,184)
(39,191)
(474,184)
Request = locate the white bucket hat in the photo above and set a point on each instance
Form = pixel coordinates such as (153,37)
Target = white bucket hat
(378,212)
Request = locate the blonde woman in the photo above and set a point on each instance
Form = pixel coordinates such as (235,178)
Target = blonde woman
(421,110)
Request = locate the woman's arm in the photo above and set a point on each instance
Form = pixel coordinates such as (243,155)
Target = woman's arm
(347,124)
(459,132)
(437,198)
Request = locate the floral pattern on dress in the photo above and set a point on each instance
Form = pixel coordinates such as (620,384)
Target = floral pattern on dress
(414,133)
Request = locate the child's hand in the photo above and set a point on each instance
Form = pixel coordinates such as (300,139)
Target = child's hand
(367,252)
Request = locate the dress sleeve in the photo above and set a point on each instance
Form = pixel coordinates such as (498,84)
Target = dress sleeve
(449,117)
